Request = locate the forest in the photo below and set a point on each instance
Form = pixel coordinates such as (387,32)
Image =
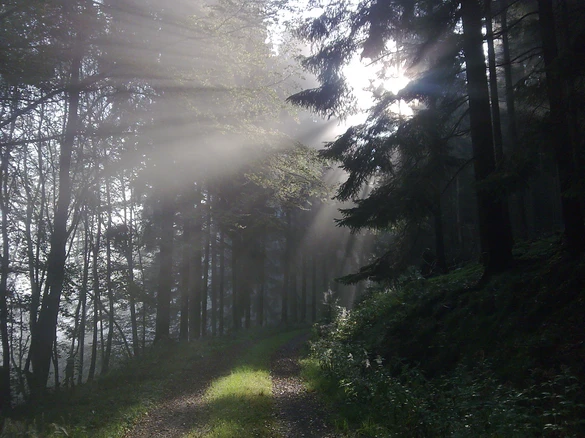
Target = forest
(403,178)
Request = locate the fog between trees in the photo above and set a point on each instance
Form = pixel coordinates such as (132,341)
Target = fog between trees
(156,183)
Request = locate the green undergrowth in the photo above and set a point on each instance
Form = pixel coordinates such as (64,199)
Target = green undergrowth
(111,405)
(241,404)
(453,356)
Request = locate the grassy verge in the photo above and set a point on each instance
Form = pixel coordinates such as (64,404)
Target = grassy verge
(111,405)
(241,404)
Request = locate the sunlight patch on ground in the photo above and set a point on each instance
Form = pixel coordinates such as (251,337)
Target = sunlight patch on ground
(243,382)
(241,404)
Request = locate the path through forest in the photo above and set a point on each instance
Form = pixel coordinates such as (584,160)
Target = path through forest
(183,410)
(299,412)
(183,407)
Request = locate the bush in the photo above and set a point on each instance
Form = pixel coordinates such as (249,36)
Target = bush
(392,396)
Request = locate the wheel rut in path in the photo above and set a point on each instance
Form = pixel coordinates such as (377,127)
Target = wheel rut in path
(299,412)
(183,408)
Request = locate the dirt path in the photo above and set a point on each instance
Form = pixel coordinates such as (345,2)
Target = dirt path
(298,410)
(182,409)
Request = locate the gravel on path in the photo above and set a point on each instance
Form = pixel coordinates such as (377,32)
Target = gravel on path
(299,412)
(183,407)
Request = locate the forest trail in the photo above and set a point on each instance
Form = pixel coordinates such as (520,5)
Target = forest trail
(299,412)
(183,411)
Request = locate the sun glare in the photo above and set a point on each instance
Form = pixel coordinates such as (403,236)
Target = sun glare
(366,84)
(363,78)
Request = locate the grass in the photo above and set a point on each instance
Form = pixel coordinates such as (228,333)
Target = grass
(241,404)
(113,404)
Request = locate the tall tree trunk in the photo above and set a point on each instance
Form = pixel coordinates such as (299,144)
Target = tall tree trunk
(286,271)
(165,278)
(96,298)
(55,359)
(304,275)
(109,288)
(221,291)
(261,279)
(247,302)
(495,101)
(314,288)
(144,308)
(559,127)
(185,277)
(129,254)
(293,295)
(101,319)
(34,254)
(439,236)
(437,155)
(83,298)
(512,126)
(5,390)
(70,365)
(494,226)
(205,284)
(196,283)
(493,86)
(214,284)
(44,335)
(236,288)
(325,273)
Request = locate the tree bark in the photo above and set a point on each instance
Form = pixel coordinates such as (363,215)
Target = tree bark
(512,126)
(83,298)
(165,279)
(214,283)
(185,277)
(96,298)
(5,390)
(196,282)
(221,291)
(129,254)
(205,284)
(304,274)
(261,279)
(235,283)
(109,288)
(44,335)
(439,236)
(493,86)
(286,272)
(314,289)
(494,227)
(566,157)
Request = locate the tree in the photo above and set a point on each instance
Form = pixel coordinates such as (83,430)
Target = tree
(425,38)
(494,225)
(567,155)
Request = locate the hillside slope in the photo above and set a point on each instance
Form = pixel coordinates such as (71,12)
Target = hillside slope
(449,357)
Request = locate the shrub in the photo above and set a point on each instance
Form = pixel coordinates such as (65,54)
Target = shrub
(392,396)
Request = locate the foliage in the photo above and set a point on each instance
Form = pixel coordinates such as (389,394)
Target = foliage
(449,357)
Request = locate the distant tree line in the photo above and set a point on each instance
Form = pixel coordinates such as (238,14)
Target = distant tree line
(147,190)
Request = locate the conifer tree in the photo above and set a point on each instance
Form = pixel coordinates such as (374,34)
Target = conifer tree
(427,39)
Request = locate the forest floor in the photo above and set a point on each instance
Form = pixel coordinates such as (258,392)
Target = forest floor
(300,413)
(183,404)
(185,411)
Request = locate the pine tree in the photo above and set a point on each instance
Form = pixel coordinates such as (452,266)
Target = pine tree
(427,40)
